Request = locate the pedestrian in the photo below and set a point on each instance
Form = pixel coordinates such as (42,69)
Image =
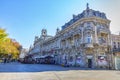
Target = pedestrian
(4,60)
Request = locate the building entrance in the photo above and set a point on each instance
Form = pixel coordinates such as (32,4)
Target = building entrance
(89,63)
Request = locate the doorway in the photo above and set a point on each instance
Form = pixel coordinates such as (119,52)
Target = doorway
(89,63)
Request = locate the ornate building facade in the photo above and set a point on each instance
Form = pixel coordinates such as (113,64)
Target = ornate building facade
(84,41)
(116,50)
(35,49)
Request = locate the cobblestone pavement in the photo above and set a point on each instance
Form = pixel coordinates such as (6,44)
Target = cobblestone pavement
(17,71)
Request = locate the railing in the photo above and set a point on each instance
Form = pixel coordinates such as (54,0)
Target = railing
(102,30)
(103,44)
(116,50)
(88,45)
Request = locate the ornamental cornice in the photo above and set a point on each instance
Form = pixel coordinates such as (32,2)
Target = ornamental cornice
(73,26)
(83,20)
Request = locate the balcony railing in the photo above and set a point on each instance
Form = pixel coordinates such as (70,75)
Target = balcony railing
(116,50)
(89,45)
(104,44)
(102,31)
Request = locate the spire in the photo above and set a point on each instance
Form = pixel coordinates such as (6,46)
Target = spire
(87,5)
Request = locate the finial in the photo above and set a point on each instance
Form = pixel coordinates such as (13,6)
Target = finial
(87,5)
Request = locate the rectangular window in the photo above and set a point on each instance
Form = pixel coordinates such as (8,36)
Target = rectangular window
(89,40)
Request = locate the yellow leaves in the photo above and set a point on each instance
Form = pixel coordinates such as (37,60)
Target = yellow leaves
(7,45)
(3,34)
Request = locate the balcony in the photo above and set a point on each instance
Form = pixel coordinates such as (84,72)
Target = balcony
(103,31)
(115,50)
(104,44)
(88,45)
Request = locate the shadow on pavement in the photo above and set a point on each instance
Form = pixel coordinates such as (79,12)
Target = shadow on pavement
(18,67)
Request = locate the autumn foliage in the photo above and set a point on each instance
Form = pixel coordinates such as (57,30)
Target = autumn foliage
(8,47)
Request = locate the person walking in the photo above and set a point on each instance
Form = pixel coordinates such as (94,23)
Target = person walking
(4,60)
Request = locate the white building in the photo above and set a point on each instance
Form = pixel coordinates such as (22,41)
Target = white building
(35,50)
(84,41)
(23,54)
(116,50)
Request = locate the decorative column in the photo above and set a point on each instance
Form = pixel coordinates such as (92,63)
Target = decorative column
(82,34)
(96,41)
(96,37)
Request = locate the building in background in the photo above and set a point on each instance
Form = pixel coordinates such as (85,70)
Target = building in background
(35,49)
(23,54)
(116,50)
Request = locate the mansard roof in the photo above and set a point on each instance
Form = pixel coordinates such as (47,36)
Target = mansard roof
(85,14)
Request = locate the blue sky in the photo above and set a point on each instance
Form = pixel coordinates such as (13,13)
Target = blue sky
(24,19)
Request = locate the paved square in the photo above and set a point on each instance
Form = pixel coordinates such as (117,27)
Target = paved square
(17,71)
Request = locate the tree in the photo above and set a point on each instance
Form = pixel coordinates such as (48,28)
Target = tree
(3,34)
(17,46)
(3,39)
(8,47)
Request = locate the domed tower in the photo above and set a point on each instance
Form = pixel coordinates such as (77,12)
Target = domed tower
(44,32)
